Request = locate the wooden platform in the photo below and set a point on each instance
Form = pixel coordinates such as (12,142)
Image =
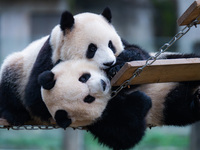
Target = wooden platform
(167,70)
(190,14)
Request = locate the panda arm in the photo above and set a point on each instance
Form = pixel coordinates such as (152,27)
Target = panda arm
(122,124)
(178,55)
(130,53)
(33,99)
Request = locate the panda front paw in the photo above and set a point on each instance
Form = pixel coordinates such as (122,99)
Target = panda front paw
(113,70)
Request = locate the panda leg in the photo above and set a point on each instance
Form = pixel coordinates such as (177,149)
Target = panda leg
(11,103)
(11,107)
(182,105)
(122,125)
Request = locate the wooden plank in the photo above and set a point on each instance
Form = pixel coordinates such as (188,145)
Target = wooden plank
(190,14)
(166,70)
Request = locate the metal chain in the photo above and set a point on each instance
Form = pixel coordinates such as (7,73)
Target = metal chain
(152,59)
(30,127)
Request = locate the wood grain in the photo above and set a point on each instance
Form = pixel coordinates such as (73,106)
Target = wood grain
(166,70)
(190,14)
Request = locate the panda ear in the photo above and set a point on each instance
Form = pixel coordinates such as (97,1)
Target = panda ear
(46,80)
(61,117)
(66,21)
(107,14)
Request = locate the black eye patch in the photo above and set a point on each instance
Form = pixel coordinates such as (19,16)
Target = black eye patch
(89,99)
(84,78)
(92,48)
(110,45)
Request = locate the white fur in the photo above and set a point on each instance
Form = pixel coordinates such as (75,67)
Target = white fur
(21,64)
(68,92)
(88,28)
(157,92)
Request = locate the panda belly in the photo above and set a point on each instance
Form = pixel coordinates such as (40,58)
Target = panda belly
(172,103)
(157,92)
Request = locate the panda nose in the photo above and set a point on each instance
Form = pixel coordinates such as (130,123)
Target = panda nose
(103,83)
(108,64)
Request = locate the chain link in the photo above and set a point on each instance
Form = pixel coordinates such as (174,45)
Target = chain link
(152,59)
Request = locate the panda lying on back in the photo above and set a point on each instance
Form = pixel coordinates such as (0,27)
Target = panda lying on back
(78,96)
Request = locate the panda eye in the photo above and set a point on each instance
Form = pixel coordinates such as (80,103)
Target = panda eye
(89,99)
(110,45)
(84,78)
(92,48)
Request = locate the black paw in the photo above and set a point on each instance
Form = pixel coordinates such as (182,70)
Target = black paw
(112,71)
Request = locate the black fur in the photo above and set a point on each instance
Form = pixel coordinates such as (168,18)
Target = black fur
(107,14)
(174,56)
(62,119)
(130,53)
(67,21)
(182,105)
(122,124)
(11,107)
(46,80)
(92,48)
(33,99)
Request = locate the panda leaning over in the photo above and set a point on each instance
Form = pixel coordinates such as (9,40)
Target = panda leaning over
(83,36)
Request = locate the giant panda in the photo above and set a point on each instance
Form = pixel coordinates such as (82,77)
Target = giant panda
(83,36)
(173,103)
(77,93)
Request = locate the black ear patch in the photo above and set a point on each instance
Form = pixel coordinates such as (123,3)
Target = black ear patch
(67,21)
(46,80)
(107,14)
(62,119)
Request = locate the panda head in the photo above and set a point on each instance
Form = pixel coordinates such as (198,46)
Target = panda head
(75,92)
(86,36)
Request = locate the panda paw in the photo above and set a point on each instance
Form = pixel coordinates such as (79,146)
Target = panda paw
(113,70)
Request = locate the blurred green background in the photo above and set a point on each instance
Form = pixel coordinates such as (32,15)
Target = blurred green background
(166,138)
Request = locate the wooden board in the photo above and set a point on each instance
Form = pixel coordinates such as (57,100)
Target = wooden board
(190,14)
(166,70)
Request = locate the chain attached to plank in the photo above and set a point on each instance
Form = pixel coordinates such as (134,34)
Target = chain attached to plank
(152,59)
